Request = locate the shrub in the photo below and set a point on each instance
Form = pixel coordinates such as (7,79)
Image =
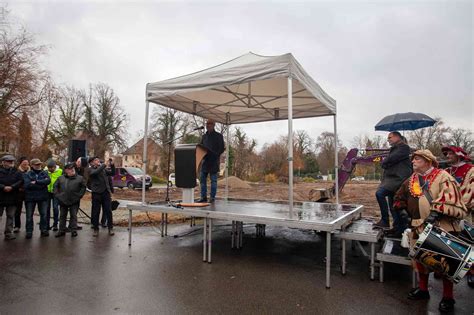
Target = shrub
(270,178)
(255,178)
(308,180)
(158,180)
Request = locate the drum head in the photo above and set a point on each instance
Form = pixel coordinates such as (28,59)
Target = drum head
(467,232)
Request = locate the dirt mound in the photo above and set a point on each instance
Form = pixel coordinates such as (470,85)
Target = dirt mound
(234,182)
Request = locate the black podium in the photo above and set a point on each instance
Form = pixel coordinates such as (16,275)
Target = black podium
(187,159)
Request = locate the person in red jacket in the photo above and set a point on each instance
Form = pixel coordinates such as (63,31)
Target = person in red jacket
(463,171)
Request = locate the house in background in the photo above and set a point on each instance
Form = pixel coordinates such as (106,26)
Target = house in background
(133,156)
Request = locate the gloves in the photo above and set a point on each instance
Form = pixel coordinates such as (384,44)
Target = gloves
(434,217)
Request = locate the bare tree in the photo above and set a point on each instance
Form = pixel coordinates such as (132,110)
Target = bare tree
(110,120)
(244,154)
(24,136)
(66,122)
(431,138)
(462,138)
(325,149)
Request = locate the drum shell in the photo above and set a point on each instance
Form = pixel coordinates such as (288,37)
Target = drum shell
(444,253)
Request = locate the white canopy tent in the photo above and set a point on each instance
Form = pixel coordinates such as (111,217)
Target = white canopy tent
(247,89)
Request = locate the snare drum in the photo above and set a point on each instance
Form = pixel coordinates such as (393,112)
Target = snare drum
(467,232)
(444,253)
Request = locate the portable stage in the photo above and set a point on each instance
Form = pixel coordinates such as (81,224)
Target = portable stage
(250,89)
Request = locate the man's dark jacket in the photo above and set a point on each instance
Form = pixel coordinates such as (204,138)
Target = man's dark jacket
(69,189)
(214,143)
(397,167)
(98,180)
(10,177)
(39,190)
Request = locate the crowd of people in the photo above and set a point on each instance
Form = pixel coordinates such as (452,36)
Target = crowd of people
(32,184)
(417,193)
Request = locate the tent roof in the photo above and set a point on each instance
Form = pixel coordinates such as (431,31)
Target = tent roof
(250,88)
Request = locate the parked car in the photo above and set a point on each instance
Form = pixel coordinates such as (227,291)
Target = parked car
(131,177)
(358,178)
(172,180)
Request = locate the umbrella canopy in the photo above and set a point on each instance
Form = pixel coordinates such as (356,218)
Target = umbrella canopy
(404,121)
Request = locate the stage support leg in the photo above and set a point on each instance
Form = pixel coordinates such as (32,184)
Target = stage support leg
(129,227)
(328,260)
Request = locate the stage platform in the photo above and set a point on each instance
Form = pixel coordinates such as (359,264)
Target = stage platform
(306,215)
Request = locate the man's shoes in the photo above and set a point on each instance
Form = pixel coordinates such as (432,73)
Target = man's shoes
(202,200)
(60,234)
(95,233)
(29,235)
(470,279)
(78,228)
(381,225)
(393,233)
(74,233)
(417,294)
(16,230)
(104,225)
(212,200)
(55,228)
(446,305)
(111,232)
(44,233)
(9,237)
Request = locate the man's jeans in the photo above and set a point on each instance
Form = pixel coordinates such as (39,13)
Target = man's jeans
(385,200)
(55,203)
(10,213)
(19,206)
(101,199)
(203,180)
(30,209)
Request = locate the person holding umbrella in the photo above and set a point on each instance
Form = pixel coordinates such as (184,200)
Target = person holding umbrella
(396,169)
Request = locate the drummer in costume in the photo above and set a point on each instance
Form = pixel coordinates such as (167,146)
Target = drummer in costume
(430,195)
(463,171)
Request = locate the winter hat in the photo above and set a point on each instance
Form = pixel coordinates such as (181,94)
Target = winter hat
(427,155)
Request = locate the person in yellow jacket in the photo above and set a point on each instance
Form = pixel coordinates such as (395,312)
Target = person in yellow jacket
(54,172)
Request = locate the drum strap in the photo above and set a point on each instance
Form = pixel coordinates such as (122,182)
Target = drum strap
(426,192)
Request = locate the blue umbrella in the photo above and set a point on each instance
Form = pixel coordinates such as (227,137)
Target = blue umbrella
(405,121)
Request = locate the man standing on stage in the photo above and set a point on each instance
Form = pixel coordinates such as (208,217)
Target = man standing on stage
(463,172)
(213,141)
(397,168)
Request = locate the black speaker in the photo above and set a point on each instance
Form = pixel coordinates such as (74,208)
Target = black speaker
(76,149)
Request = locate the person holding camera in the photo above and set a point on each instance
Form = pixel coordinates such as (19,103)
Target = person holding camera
(68,190)
(98,182)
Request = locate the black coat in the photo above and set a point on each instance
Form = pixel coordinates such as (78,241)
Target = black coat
(397,167)
(10,177)
(98,178)
(69,189)
(39,190)
(214,143)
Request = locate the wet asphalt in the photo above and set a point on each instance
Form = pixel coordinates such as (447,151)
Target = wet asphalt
(283,273)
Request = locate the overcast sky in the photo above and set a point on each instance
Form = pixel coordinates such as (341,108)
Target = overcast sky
(375,58)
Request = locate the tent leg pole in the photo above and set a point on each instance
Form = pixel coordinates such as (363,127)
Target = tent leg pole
(336,161)
(290,145)
(145,151)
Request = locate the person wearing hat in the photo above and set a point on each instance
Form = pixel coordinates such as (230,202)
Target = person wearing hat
(462,170)
(98,182)
(36,193)
(430,195)
(54,172)
(10,183)
(23,167)
(68,190)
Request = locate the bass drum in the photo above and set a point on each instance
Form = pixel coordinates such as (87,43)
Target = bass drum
(443,253)
(467,232)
